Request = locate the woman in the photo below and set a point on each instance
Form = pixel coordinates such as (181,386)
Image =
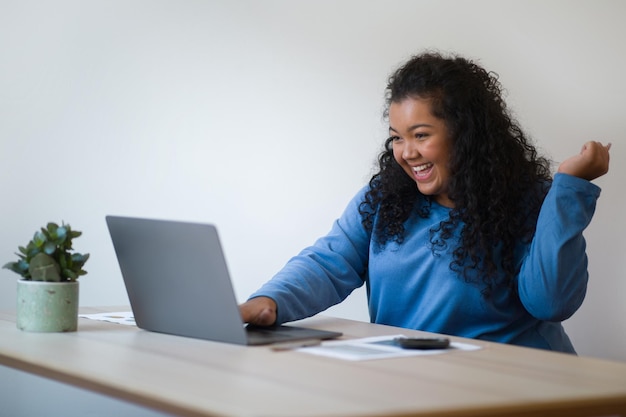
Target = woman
(462,231)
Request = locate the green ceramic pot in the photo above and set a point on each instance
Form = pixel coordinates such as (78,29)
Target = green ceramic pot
(47,306)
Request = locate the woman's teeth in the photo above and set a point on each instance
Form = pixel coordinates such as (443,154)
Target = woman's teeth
(422,167)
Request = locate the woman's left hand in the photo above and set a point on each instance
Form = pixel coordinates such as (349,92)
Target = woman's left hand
(592,162)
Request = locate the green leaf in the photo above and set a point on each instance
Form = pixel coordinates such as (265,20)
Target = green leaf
(80,258)
(39,239)
(33,252)
(70,274)
(20,268)
(10,265)
(22,265)
(61,234)
(49,248)
(63,261)
(45,232)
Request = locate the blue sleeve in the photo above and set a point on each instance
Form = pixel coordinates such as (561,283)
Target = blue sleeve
(553,277)
(324,274)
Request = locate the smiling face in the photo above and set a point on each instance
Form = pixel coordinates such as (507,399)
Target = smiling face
(422,146)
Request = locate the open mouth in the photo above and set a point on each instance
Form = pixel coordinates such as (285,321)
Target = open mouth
(423,170)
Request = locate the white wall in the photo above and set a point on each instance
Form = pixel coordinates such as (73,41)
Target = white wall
(264,117)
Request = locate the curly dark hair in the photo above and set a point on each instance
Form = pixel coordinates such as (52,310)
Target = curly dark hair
(498,180)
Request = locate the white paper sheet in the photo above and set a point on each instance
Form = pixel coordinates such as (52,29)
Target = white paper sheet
(380,347)
(120,317)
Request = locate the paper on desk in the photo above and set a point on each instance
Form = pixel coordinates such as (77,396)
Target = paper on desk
(379,347)
(120,317)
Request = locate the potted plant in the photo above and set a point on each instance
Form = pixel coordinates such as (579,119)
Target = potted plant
(47,293)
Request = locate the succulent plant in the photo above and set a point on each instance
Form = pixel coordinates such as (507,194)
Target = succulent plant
(48,256)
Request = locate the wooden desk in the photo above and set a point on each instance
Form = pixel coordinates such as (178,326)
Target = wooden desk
(190,377)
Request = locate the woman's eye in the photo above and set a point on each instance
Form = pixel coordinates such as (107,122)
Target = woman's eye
(420,136)
(395,138)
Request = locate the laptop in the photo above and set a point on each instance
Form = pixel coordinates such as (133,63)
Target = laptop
(178,283)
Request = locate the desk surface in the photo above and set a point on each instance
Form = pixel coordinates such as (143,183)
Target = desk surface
(190,377)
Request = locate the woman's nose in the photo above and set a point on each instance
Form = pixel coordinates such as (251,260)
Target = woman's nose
(410,150)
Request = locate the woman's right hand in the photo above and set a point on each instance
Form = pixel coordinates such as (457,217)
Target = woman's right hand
(260,311)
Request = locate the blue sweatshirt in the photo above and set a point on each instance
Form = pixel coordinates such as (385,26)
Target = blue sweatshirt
(410,287)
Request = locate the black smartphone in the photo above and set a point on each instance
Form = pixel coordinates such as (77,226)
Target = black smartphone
(422,343)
